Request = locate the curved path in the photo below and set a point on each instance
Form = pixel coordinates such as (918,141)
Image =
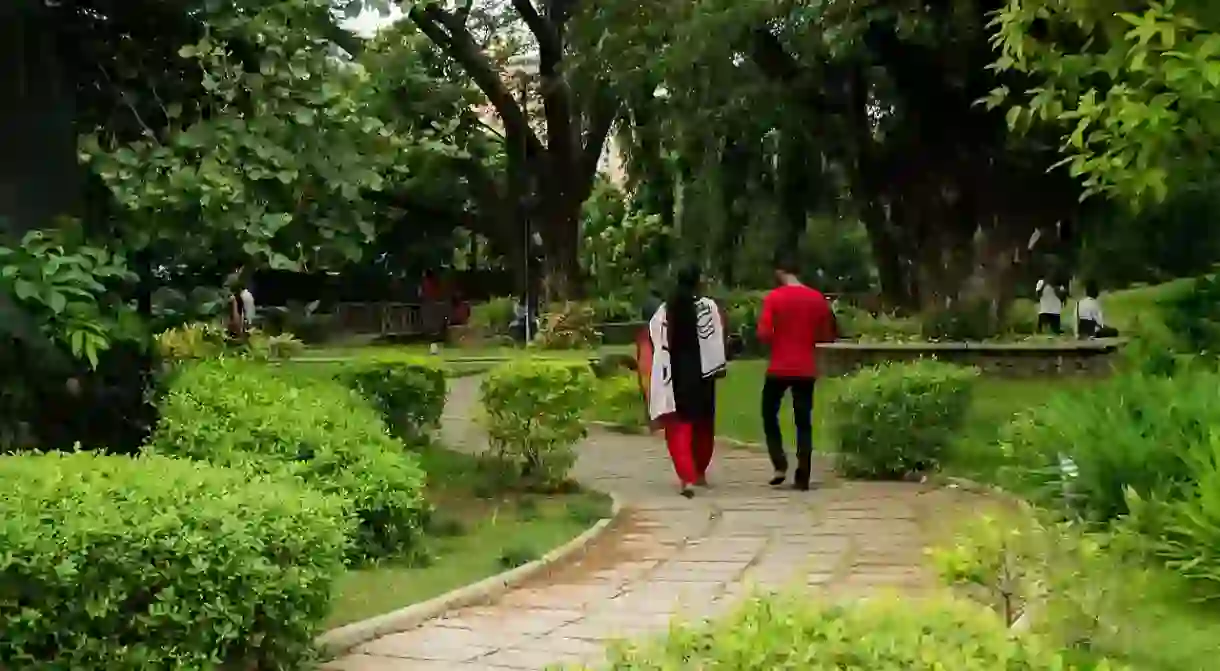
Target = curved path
(669,555)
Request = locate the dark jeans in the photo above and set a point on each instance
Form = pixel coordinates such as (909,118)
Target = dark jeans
(1049,322)
(802,411)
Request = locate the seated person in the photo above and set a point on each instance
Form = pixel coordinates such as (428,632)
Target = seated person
(1089,320)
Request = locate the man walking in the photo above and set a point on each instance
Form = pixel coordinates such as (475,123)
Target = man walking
(794,319)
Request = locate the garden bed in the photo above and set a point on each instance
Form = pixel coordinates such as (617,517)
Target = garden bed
(476,531)
(1087,358)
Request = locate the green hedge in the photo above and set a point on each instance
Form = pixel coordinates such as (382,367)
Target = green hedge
(410,394)
(800,632)
(894,419)
(124,564)
(236,412)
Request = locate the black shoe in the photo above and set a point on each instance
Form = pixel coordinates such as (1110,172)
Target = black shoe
(801,486)
(778,479)
(687,492)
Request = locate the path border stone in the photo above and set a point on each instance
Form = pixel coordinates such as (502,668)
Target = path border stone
(341,640)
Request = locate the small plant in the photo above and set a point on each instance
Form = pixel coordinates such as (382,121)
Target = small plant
(620,402)
(897,419)
(200,340)
(570,326)
(410,394)
(535,417)
(588,511)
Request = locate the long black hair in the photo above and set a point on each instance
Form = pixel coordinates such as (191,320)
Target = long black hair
(680,309)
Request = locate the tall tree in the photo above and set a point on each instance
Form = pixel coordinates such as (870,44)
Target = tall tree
(560,162)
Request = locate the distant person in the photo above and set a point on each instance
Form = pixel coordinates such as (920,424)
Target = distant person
(249,310)
(1090,323)
(680,360)
(794,319)
(1051,295)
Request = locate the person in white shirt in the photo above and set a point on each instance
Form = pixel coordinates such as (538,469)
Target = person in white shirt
(247,303)
(1089,320)
(1050,305)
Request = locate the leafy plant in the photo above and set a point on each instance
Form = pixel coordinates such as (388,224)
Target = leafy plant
(535,416)
(793,631)
(206,340)
(234,412)
(619,401)
(1080,452)
(410,394)
(161,563)
(64,286)
(569,326)
(966,321)
(895,419)
(494,316)
(1193,316)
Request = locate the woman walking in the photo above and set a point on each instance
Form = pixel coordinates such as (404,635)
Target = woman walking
(680,359)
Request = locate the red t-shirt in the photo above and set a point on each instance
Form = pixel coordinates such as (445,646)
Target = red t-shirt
(794,319)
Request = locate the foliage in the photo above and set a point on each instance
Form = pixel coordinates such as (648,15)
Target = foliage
(1130,433)
(207,340)
(621,249)
(535,413)
(568,326)
(1130,90)
(1184,531)
(965,321)
(742,310)
(619,401)
(64,285)
(894,419)
(1082,591)
(616,310)
(1193,316)
(161,563)
(274,161)
(233,412)
(410,394)
(795,631)
(494,316)
(859,324)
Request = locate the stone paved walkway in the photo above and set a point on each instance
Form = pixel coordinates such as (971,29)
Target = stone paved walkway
(669,556)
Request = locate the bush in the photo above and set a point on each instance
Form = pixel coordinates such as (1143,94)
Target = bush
(797,632)
(615,310)
(859,324)
(410,394)
(1193,316)
(494,316)
(568,326)
(970,320)
(155,563)
(619,401)
(895,419)
(233,412)
(1132,432)
(535,416)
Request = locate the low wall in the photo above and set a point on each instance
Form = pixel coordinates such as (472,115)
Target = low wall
(1085,358)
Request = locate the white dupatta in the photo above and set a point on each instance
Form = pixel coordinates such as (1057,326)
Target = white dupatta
(712,357)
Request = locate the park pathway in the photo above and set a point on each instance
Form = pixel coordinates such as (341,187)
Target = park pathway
(669,556)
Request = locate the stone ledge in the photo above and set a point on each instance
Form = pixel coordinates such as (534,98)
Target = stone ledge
(343,639)
(1086,358)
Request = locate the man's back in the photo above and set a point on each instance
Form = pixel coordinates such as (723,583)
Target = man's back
(794,319)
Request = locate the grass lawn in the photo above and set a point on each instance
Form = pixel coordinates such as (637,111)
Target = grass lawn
(474,534)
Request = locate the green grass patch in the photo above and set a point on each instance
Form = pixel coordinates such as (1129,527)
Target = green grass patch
(451,353)
(475,532)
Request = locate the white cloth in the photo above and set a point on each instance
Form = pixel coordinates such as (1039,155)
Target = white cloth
(1049,302)
(712,357)
(1089,308)
(247,304)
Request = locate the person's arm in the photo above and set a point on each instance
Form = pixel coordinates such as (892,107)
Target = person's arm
(1101,322)
(766,325)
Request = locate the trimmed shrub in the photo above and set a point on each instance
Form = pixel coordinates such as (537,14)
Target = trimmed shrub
(410,394)
(535,415)
(896,419)
(232,412)
(797,632)
(618,400)
(154,563)
(1080,452)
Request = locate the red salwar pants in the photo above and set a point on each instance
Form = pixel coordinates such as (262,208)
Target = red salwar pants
(690,445)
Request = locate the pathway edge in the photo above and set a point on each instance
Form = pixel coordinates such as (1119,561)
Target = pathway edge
(343,639)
